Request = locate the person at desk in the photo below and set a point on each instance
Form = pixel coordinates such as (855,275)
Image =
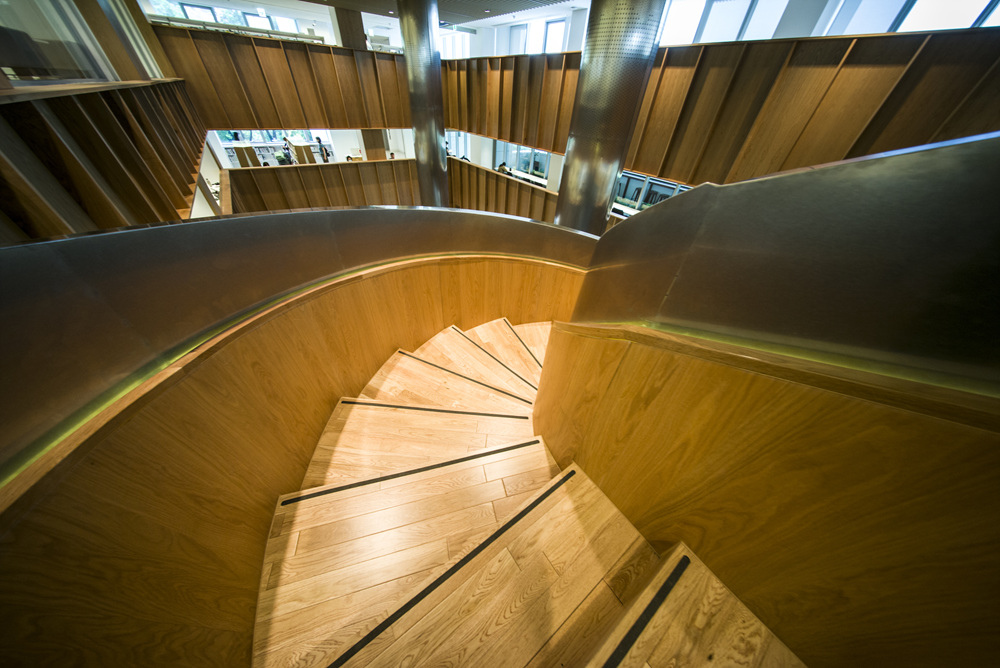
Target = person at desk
(503,168)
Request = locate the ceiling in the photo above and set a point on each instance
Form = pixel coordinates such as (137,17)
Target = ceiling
(449,11)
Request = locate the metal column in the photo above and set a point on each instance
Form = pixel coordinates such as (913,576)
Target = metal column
(419,22)
(622,38)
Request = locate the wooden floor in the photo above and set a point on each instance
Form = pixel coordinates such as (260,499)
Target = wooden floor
(434,528)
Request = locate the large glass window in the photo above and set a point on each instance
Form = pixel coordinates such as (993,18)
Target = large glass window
(523,159)
(764,20)
(681,21)
(554,33)
(628,190)
(198,13)
(256,21)
(540,164)
(724,21)
(993,19)
(233,17)
(518,39)
(938,15)
(656,192)
(284,24)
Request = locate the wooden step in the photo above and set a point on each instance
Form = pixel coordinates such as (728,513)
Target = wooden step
(536,592)
(687,617)
(454,350)
(341,558)
(406,379)
(500,339)
(536,336)
(366,439)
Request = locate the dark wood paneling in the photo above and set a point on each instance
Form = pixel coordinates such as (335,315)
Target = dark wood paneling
(358,183)
(280,84)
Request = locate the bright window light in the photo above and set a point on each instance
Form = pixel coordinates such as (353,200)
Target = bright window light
(724,21)
(536,37)
(259,22)
(873,16)
(993,20)
(765,19)
(682,21)
(938,15)
(199,13)
(554,33)
(284,24)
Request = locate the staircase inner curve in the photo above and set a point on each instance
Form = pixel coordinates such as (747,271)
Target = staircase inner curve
(433,527)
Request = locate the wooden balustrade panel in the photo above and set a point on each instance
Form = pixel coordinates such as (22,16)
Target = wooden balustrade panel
(338,184)
(521,99)
(856,515)
(733,111)
(144,547)
(239,82)
(83,158)
(473,187)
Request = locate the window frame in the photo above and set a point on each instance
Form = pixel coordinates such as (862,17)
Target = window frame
(184,8)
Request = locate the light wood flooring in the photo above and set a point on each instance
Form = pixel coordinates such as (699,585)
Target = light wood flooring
(433,527)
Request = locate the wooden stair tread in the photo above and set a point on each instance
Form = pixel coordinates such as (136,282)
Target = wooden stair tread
(499,338)
(338,559)
(453,349)
(406,379)
(365,438)
(550,569)
(691,618)
(536,336)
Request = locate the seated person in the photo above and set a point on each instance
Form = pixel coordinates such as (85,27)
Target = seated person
(503,168)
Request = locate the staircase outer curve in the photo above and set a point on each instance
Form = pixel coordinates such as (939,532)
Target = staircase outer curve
(433,527)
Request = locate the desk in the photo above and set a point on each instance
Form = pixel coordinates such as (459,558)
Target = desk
(530,178)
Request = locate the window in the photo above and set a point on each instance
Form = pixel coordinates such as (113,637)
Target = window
(993,20)
(255,21)
(764,20)
(554,33)
(937,15)
(681,21)
(518,39)
(656,193)
(232,17)
(724,21)
(284,24)
(197,13)
(628,190)
(540,164)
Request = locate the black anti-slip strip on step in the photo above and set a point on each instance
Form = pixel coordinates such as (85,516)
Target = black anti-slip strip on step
(429,589)
(514,331)
(471,380)
(427,409)
(494,358)
(622,650)
(403,474)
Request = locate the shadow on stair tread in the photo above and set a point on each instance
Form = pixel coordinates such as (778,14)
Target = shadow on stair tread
(500,339)
(457,351)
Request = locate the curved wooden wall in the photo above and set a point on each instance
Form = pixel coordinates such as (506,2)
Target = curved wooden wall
(80,158)
(358,183)
(856,515)
(473,187)
(240,82)
(144,547)
(733,111)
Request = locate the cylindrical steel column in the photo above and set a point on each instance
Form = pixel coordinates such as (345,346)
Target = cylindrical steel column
(622,38)
(419,22)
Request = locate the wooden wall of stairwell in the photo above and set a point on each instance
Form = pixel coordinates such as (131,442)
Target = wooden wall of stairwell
(341,184)
(855,515)
(733,111)
(240,82)
(474,187)
(81,158)
(144,547)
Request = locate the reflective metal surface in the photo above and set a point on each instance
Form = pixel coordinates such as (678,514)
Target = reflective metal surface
(622,38)
(893,259)
(82,314)
(418,20)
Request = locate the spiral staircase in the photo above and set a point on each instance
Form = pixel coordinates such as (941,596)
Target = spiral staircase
(433,527)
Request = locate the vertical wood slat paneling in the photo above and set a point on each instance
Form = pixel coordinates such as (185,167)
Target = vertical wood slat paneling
(732,111)
(473,187)
(99,160)
(280,84)
(339,184)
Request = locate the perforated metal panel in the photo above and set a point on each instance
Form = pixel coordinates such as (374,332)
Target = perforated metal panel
(622,37)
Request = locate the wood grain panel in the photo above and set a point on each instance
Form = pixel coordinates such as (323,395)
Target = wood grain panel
(802,85)
(306,86)
(475,187)
(869,74)
(280,84)
(151,544)
(888,542)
